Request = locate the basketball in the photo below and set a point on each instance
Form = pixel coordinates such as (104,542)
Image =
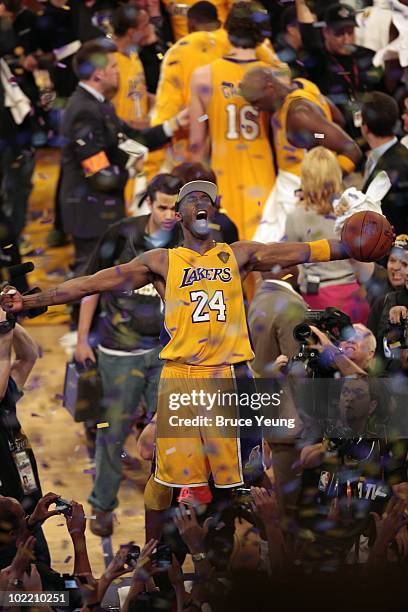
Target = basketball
(367,236)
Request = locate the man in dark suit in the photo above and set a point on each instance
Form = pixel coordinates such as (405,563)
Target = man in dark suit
(380,114)
(94,168)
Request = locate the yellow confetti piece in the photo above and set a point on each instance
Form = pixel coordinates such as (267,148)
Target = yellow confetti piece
(136,372)
(287,276)
(102,425)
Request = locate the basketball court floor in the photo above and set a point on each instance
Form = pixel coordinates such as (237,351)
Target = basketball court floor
(58,442)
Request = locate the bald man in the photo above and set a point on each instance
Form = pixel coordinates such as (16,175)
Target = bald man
(302,118)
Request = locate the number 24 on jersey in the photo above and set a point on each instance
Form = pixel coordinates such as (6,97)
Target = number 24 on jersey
(204,305)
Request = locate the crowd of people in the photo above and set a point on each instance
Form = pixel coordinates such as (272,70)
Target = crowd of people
(210,154)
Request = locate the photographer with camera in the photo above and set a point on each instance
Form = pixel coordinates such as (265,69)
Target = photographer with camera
(18,468)
(331,347)
(353,355)
(351,472)
(393,329)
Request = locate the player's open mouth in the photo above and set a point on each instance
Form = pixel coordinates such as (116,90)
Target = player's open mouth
(202,215)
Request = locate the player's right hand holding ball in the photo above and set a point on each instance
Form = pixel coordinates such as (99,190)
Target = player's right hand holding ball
(11,300)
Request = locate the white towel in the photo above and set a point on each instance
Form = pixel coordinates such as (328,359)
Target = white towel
(353,201)
(14,98)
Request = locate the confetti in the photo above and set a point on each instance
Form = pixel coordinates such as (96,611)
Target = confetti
(202,118)
(287,276)
(319,135)
(171,450)
(102,425)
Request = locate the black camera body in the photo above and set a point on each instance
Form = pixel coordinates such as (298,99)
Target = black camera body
(133,554)
(397,338)
(332,322)
(63,506)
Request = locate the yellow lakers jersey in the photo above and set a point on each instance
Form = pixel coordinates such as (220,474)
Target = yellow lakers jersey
(131,101)
(288,157)
(178,14)
(186,55)
(241,155)
(204,308)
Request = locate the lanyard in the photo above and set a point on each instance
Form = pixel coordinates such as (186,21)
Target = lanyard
(346,75)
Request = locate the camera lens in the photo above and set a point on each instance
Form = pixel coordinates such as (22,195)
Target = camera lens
(302,332)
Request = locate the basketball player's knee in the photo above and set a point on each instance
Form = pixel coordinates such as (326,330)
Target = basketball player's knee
(157,496)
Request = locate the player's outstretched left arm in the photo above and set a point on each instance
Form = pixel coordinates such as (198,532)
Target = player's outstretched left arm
(258,257)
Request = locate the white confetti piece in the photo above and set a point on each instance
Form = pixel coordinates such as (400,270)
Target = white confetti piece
(319,135)
(202,118)
(171,450)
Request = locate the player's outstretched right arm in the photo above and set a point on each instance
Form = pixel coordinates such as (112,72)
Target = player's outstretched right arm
(134,274)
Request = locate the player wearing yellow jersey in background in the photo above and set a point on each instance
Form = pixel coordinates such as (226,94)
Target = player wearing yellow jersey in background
(206,42)
(178,12)
(241,154)
(131,101)
(302,119)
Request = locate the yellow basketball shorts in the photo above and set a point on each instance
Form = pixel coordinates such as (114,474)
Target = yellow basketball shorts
(201,450)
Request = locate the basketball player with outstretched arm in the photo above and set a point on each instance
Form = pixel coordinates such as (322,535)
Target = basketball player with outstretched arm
(201,286)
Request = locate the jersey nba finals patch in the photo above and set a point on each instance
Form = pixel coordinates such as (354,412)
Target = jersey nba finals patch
(224,256)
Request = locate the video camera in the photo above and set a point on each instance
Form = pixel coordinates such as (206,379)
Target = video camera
(331,321)
(396,339)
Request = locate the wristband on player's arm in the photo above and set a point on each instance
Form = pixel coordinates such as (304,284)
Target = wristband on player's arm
(319,251)
(346,164)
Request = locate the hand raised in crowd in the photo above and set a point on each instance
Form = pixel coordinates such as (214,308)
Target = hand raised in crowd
(88,587)
(391,521)
(116,568)
(191,532)
(401,540)
(76,522)
(401,490)
(23,558)
(265,506)
(32,581)
(83,352)
(41,512)
(175,573)
(396,312)
(142,569)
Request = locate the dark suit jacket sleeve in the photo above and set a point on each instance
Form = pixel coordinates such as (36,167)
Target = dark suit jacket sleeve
(152,138)
(86,134)
(91,150)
